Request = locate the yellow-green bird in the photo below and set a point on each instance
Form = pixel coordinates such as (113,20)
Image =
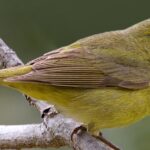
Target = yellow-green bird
(102,80)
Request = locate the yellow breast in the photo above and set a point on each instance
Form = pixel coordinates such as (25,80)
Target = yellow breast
(99,108)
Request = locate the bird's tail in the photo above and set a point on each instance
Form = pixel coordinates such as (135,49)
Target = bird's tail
(14,71)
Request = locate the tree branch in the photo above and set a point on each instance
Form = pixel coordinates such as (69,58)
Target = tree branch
(55,131)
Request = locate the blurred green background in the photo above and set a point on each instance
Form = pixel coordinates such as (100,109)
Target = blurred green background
(33,27)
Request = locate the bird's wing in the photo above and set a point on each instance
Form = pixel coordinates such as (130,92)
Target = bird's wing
(86,69)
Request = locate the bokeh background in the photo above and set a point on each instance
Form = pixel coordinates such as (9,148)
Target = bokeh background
(33,27)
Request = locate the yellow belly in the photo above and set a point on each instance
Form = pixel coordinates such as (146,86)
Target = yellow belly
(99,108)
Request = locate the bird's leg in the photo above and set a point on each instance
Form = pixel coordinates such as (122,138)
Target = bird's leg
(101,138)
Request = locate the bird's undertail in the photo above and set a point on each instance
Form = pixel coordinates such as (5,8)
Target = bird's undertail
(14,71)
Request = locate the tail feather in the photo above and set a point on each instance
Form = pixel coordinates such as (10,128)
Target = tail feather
(14,71)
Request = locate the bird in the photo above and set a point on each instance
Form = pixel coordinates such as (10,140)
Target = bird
(102,80)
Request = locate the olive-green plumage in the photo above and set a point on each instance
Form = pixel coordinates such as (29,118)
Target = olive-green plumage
(102,80)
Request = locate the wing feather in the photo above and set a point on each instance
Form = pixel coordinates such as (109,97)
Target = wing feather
(83,69)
